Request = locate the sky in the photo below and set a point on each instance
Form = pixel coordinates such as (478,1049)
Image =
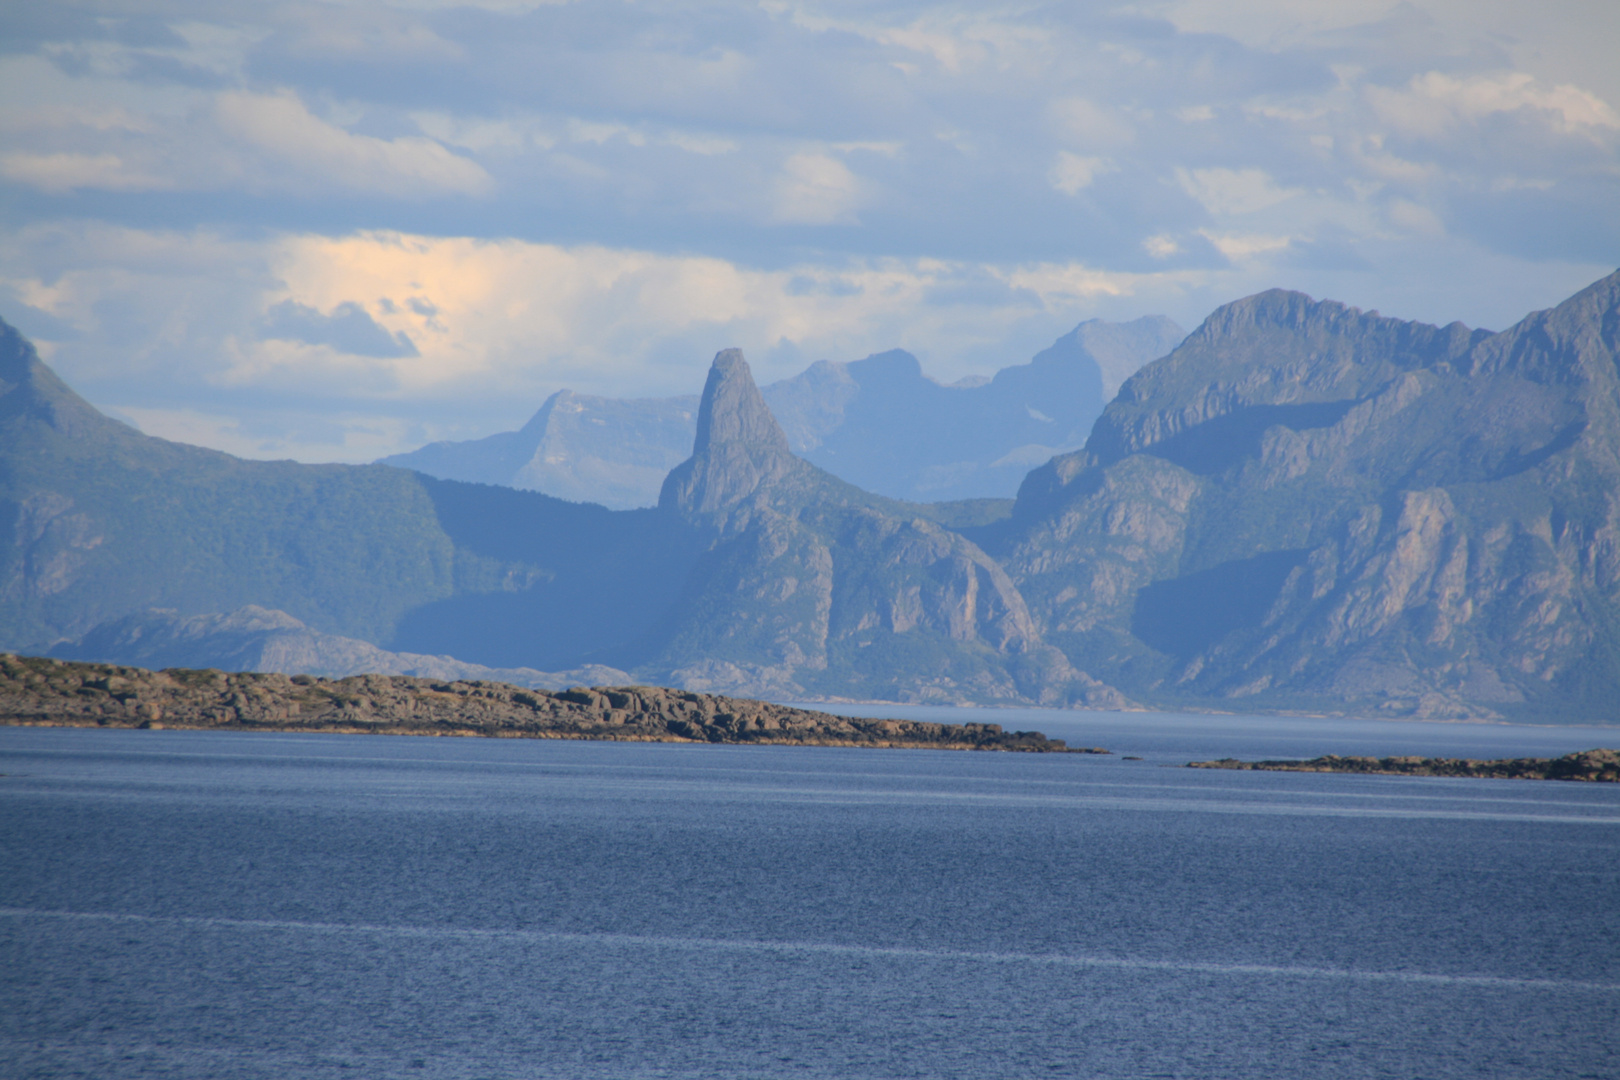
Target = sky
(333,231)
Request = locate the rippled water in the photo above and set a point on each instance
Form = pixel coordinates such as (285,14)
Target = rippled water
(194,904)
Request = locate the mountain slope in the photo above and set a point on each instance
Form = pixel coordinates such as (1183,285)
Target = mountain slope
(101,522)
(1307,506)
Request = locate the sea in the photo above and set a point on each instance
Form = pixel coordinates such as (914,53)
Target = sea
(210,904)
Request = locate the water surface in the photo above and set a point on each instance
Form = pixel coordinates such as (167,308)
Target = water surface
(205,904)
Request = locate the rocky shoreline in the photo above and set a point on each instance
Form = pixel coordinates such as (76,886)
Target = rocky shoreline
(1602,766)
(39,691)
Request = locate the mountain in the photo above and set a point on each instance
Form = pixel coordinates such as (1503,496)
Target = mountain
(807,583)
(757,572)
(1305,506)
(258,639)
(879,423)
(1302,507)
(611,451)
(1120,349)
(101,522)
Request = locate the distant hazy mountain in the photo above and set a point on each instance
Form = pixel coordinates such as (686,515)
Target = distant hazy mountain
(611,451)
(257,639)
(878,423)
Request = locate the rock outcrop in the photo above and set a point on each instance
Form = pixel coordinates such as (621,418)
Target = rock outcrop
(50,692)
(1590,765)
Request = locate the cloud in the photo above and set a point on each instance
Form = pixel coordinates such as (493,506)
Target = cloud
(281,434)
(536,195)
(1242,246)
(1161,246)
(1071,172)
(348,329)
(816,189)
(1227,192)
(1434,103)
(398,325)
(63,172)
(307,146)
(1411,217)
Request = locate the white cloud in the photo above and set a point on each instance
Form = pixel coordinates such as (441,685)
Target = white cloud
(1411,217)
(1434,103)
(1071,172)
(1161,246)
(816,189)
(1062,283)
(491,325)
(1226,192)
(1244,246)
(61,172)
(309,147)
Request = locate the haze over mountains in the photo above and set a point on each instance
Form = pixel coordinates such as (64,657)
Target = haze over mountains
(1302,506)
(879,423)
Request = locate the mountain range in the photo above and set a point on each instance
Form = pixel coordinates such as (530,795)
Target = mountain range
(879,423)
(1301,507)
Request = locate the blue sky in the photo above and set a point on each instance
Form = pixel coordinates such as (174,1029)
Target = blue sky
(331,231)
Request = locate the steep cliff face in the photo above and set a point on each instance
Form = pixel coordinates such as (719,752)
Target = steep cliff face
(1305,505)
(810,584)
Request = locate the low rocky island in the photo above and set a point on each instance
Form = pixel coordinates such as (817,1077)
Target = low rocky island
(1591,765)
(37,691)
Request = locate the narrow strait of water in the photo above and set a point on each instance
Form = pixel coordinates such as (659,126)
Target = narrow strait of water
(204,904)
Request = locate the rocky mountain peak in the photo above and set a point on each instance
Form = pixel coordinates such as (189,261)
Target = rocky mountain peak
(733,412)
(739,444)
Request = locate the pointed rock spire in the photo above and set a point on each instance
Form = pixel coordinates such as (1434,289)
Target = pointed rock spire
(739,445)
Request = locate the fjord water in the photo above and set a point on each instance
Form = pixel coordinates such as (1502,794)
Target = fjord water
(206,904)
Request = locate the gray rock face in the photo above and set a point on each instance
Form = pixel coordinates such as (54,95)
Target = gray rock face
(878,423)
(1309,506)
